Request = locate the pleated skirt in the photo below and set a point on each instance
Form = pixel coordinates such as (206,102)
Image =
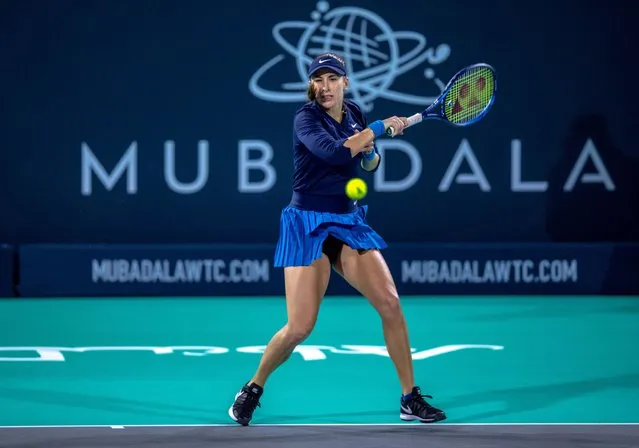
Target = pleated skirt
(303,232)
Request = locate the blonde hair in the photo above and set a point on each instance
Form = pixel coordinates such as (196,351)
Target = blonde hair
(310,92)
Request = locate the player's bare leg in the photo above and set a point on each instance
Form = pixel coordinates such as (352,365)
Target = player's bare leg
(305,287)
(368,273)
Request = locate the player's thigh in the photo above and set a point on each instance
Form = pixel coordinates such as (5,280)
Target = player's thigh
(305,287)
(368,273)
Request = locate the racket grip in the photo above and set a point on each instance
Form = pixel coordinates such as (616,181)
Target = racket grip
(413,119)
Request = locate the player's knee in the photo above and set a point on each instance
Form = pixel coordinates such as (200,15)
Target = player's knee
(388,304)
(297,332)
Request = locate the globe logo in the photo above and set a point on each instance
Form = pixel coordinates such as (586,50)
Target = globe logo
(371,49)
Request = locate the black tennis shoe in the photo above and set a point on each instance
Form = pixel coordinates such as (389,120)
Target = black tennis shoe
(246,401)
(414,407)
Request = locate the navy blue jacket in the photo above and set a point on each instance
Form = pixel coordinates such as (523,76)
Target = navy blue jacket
(322,165)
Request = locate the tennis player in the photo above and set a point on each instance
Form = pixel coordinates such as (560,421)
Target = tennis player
(322,228)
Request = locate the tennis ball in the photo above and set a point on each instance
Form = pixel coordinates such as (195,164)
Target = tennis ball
(356,189)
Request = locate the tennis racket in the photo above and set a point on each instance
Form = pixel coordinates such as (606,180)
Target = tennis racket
(466,99)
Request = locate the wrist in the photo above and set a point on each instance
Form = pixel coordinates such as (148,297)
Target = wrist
(369,155)
(377,127)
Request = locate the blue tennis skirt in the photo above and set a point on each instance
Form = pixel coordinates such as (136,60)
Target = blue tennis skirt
(303,232)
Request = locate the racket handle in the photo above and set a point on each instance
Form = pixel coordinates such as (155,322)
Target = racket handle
(413,119)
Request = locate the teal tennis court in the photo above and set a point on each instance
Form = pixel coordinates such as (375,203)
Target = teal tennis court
(179,361)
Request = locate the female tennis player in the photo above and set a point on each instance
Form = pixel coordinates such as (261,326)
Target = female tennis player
(322,228)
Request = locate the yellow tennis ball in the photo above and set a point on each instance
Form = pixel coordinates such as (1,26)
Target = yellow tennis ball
(356,189)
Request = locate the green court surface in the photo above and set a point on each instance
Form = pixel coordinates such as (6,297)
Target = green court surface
(179,361)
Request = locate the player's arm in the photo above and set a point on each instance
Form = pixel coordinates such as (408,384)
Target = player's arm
(371,158)
(334,151)
(339,151)
(371,164)
(363,141)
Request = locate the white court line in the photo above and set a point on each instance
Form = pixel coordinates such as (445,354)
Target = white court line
(214,425)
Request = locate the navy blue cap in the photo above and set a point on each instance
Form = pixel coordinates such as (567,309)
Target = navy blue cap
(330,61)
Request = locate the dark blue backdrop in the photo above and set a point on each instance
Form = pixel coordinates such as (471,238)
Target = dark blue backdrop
(86,85)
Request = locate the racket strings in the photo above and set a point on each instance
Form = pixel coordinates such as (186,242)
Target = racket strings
(470,95)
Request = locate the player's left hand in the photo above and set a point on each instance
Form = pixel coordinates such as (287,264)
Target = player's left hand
(369,147)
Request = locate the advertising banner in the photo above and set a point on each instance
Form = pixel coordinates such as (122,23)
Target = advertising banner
(247,270)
